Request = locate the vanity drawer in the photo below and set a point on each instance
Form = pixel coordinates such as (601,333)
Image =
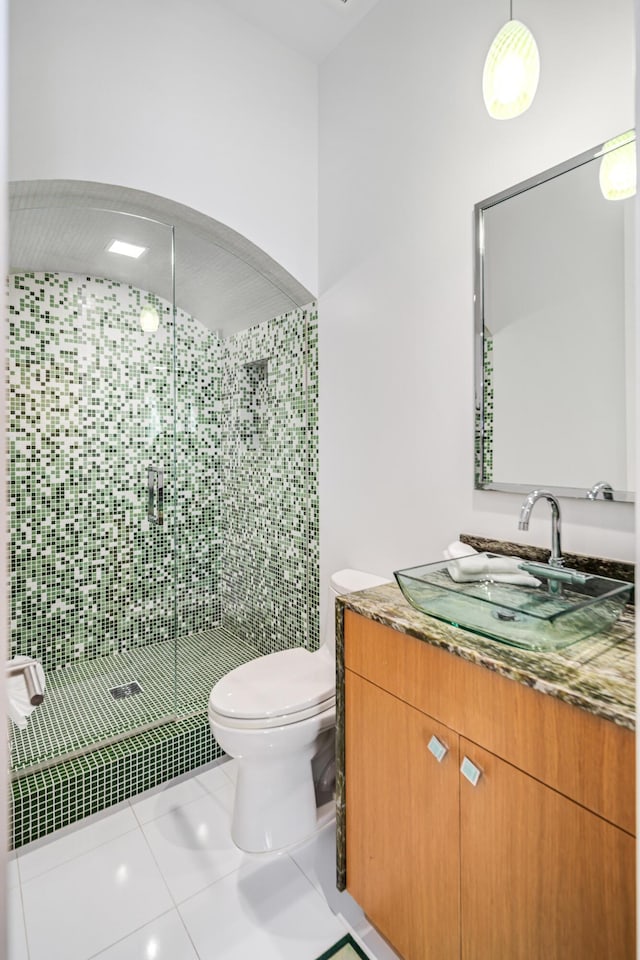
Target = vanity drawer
(583,756)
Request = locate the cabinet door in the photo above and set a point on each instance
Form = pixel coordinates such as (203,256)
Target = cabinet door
(402,812)
(541,877)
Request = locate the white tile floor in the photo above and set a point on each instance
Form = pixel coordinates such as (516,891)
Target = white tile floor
(158,878)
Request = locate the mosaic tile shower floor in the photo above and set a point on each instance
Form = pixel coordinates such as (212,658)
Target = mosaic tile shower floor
(79,711)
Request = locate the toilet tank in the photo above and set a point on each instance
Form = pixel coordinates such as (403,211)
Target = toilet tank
(344,581)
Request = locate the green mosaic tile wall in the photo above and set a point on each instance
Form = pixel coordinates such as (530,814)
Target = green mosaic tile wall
(487,449)
(91,406)
(199,468)
(313,512)
(269,526)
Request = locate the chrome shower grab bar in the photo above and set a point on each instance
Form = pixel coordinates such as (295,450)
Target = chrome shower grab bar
(155,491)
(35,689)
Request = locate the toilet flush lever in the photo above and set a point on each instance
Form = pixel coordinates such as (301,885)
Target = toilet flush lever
(437,748)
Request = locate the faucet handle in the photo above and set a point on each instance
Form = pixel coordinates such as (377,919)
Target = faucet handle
(600,487)
(556,561)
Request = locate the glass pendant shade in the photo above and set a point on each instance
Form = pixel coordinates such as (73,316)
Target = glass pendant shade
(618,167)
(511,72)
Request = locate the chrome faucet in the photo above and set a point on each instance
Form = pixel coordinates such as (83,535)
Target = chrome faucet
(556,559)
(600,487)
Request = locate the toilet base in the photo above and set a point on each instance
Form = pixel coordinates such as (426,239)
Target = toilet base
(275,804)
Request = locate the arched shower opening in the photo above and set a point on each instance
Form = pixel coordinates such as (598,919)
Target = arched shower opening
(163,484)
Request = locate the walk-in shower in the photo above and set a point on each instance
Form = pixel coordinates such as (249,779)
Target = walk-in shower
(163,502)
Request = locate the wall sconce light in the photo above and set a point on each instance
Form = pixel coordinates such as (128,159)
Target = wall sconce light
(149,319)
(618,167)
(511,71)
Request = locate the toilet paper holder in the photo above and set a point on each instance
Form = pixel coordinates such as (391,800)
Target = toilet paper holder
(35,690)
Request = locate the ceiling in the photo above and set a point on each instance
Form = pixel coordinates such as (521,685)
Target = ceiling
(222,279)
(311,27)
(225,281)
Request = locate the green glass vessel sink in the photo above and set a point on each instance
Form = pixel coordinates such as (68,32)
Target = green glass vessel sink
(566,606)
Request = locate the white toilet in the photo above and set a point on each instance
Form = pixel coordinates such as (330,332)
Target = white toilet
(274,715)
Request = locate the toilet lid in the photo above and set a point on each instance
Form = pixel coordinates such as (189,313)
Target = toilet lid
(276,685)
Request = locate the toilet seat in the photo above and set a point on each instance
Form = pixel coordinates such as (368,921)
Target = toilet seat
(274,690)
(326,709)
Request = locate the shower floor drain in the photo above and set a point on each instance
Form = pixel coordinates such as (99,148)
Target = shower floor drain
(126,690)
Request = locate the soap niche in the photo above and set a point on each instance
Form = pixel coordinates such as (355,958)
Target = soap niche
(254,390)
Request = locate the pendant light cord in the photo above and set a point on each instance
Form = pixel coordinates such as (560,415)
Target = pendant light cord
(510,9)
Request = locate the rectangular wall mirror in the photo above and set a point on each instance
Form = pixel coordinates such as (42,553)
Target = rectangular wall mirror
(554,315)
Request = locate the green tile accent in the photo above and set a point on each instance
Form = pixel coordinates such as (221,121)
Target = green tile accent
(270,569)
(484,439)
(79,711)
(90,406)
(45,801)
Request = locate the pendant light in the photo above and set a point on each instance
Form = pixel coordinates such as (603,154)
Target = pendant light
(511,71)
(618,167)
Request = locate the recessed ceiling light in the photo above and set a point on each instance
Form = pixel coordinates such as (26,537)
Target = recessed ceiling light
(126,249)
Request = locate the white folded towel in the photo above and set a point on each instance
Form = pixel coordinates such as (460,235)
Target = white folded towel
(468,566)
(19,707)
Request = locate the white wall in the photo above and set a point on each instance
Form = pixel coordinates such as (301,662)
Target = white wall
(185,100)
(406,149)
(221,117)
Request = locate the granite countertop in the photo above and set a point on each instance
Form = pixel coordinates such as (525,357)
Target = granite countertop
(596,674)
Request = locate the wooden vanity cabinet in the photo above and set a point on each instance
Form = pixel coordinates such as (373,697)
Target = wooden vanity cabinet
(511,867)
(402,823)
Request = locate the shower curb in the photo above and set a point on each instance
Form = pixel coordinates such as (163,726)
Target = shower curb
(58,796)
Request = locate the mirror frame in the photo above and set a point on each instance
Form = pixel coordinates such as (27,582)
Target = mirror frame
(484,403)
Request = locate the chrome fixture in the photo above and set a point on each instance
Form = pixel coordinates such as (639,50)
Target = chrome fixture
(574,577)
(125,690)
(556,559)
(155,491)
(600,487)
(29,671)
